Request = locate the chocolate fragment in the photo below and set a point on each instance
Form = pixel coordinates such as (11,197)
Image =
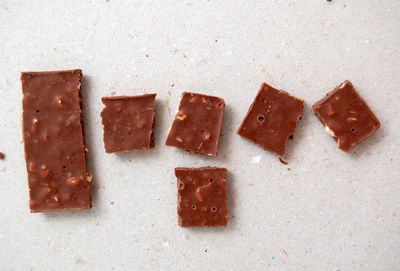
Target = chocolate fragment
(1,156)
(129,123)
(346,116)
(272,119)
(197,125)
(54,142)
(283,161)
(202,194)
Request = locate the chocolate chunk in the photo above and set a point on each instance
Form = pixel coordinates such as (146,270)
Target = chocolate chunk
(272,119)
(129,123)
(346,116)
(283,161)
(54,142)
(1,156)
(202,196)
(197,125)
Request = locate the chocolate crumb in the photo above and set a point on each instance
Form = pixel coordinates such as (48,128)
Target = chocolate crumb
(288,168)
(283,161)
(1,156)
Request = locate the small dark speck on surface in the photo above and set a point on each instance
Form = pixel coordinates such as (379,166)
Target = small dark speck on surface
(1,156)
(147,55)
(288,168)
(206,250)
(216,40)
(329,0)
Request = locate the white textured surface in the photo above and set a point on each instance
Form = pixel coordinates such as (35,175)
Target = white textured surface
(332,211)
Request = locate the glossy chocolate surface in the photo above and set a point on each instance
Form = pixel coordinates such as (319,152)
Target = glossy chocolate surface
(54,143)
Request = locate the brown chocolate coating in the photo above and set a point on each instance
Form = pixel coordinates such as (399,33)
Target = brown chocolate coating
(202,194)
(54,143)
(346,116)
(197,125)
(129,123)
(272,118)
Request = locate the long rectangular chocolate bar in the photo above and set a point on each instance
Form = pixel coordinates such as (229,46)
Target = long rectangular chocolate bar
(54,143)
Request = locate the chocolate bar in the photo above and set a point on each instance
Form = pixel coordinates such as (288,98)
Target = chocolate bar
(346,116)
(197,125)
(202,194)
(129,123)
(272,119)
(54,142)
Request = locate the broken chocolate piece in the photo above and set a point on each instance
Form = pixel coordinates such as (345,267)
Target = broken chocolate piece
(283,161)
(129,123)
(1,156)
(272,119)
(197,125)
(346,116)
(54,142)
(202,194)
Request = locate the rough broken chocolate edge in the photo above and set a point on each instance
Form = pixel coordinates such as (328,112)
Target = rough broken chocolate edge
(251,107)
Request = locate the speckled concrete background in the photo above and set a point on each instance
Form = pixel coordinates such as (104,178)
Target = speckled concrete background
(331,211)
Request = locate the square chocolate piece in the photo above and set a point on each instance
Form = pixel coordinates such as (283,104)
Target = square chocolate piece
(129,123)
(197,125)
(202,197)
(272,119)
(346,116)
(54,142)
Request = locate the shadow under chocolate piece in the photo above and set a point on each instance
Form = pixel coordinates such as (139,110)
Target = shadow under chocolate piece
(202,194)
(346,116)
(272,119)
(197,125)
(129,123)
(54,143)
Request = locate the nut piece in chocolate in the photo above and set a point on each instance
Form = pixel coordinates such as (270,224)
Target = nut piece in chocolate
(54,142)
(346,116)
(202,194)
(129,123)
(197,124)
(272,119)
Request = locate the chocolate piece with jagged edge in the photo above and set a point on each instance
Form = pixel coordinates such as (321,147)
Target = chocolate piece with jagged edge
(202,194)
(272,119)
(197,124)
(54,143)
(346,116)
(129,123)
